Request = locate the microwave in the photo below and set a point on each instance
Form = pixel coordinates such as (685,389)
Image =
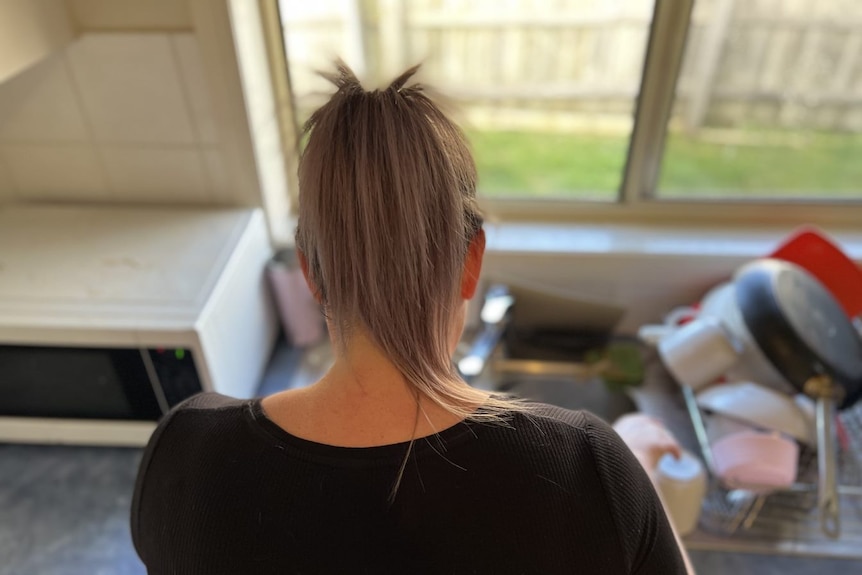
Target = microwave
(109,317)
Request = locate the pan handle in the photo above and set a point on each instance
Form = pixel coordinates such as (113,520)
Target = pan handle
(830,518)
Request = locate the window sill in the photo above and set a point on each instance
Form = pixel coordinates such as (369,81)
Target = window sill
(727,214)
(622,239)
(621,275)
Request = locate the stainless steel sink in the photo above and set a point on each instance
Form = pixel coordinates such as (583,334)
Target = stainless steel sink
(567,385)
(490,360)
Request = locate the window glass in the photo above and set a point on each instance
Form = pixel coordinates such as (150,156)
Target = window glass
(768,103)
(544,88)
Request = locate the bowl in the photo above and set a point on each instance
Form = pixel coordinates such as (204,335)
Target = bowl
(760,407)
(756,461)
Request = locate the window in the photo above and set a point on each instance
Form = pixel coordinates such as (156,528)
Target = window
(768,102)
(545,90)
(627,101)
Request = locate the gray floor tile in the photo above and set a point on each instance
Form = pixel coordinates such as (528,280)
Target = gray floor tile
(66,510)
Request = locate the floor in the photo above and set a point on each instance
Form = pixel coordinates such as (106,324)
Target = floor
(64,510)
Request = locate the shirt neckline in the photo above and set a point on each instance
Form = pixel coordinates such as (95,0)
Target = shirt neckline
(394,452)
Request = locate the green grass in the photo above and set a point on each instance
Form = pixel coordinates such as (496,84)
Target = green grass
(548,165)
(531,164)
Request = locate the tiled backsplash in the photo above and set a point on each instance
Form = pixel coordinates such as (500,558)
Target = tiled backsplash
(116,116)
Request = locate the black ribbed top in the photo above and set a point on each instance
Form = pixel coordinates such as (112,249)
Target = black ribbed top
(224,490)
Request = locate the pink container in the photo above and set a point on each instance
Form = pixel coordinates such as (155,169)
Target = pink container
(300,313)
(756,461)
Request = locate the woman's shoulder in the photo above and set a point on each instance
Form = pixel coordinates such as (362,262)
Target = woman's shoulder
(208,401)
(199,418)
(576,441)
(554,415)
(205,425)
(567,425)
(194,424)
(189,437)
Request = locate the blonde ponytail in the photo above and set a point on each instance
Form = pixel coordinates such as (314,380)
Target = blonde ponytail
(387,211)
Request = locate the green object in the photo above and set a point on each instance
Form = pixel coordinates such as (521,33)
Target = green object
(623,367)
(180,354)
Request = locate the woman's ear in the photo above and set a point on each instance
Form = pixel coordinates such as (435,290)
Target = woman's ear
(473,265)
(303,263)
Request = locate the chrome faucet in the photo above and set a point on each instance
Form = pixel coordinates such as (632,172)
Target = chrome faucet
(495,317)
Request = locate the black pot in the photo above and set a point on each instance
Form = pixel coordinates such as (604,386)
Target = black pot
(806,335)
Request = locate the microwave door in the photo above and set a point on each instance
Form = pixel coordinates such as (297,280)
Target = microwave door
(76,383)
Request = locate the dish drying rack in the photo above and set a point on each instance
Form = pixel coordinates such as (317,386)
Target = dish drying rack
(791,515)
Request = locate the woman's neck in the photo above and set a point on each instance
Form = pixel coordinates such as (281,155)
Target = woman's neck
(362,371)
(362,401)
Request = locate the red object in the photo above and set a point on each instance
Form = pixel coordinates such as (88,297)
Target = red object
(843,436)
(689,316)
(812,250)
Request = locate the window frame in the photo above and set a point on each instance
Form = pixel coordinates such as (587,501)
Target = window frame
(637,199)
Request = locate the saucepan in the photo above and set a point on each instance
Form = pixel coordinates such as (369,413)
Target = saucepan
(806,335)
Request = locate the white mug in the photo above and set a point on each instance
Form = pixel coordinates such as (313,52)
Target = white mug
(699,352)
(682,484)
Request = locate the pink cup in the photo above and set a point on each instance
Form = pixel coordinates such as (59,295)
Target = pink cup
(756,461)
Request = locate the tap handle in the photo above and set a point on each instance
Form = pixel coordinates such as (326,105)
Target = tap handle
(498,302)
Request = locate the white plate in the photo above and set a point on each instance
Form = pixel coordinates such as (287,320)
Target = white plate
(761,407)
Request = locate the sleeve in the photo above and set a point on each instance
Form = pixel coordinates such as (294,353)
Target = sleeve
(160,439)
(643,529)
(141,482)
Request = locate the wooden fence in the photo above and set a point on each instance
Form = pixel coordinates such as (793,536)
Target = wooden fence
(762,63)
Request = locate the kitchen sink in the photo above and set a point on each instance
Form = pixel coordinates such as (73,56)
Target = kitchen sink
(542,366)
(558,383)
